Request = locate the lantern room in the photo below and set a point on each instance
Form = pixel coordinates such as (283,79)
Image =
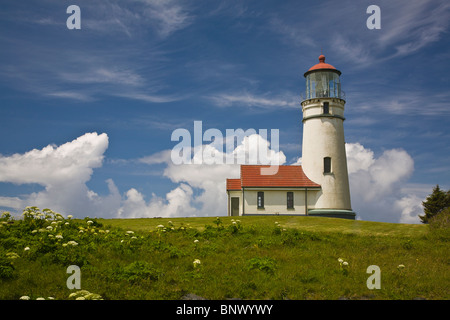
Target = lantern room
(322,81)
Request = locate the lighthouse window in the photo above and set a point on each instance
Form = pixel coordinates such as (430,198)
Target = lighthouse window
(290,200)
(260,200)
(327,165)
(326,108)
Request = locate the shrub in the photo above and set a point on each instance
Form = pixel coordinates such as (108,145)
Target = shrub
(440,224)
(6,267)
(264,264)
(136,271)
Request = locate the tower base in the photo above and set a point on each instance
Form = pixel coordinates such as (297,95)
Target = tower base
(333,213)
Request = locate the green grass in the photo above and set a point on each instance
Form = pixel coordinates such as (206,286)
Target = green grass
(274,257)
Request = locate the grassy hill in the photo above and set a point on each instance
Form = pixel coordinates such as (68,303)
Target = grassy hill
(275,257)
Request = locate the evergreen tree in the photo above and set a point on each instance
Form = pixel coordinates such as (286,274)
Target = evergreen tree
(435,203)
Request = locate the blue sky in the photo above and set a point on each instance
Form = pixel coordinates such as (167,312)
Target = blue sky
(87,115)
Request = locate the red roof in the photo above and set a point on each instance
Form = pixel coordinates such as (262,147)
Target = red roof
(286,176)
(233,184)
(322,65)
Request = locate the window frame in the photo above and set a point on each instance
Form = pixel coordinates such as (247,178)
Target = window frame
(327,165)
(290,200)
(260,200)
(326,108)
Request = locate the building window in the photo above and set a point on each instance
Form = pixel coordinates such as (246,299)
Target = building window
(290,200)
(260,200)
(327,165)
(326,108)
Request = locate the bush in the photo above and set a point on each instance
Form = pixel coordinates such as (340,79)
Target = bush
(264,264)
(136,271)
(6,267)
(440,224)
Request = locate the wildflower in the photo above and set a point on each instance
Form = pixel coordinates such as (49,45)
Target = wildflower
(26,249)
(50,298)
(66,224)
(345,263)
(196,263)
(58,236)
(69,216)
(90,222)
(73,243)
(40,298)
(160,226)
(130,232)
(340,260)
(34,231)
(400,266)
(24,298)
(49,228)
(195,241)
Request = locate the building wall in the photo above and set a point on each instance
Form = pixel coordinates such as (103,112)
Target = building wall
(275,201)
(234,194)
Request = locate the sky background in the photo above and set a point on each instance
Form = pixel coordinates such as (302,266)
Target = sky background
(87,115)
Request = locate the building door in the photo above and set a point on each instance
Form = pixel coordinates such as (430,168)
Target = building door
(234,206)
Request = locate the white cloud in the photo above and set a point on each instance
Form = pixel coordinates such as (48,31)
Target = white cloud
(63,171)
(201,189)
(251,100)
(378,185)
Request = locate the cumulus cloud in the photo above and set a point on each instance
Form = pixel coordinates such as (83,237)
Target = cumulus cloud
(63,172)
(377,185)
(201,189)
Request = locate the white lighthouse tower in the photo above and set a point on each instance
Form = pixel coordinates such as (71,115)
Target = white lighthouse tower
(324,159)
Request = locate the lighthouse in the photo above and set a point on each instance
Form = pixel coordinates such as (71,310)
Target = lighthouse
(324,160)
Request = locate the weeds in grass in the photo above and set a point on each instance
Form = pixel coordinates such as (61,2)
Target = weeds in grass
(225,258)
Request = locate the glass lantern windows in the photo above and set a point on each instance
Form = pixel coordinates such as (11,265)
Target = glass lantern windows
(323,84)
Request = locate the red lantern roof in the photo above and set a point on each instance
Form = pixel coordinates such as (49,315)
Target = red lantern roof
(322,65)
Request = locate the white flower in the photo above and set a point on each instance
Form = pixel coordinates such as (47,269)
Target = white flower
(66,224)
(69,216)
(130,232)
(160,226)
(24,298)
(49,228)
(340,260)
(58,236)
(50,298)
(345,263)
(40,298)
(90,222)
(195,241)
(26,249)
(196,262)
(73,243)
(400,266)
